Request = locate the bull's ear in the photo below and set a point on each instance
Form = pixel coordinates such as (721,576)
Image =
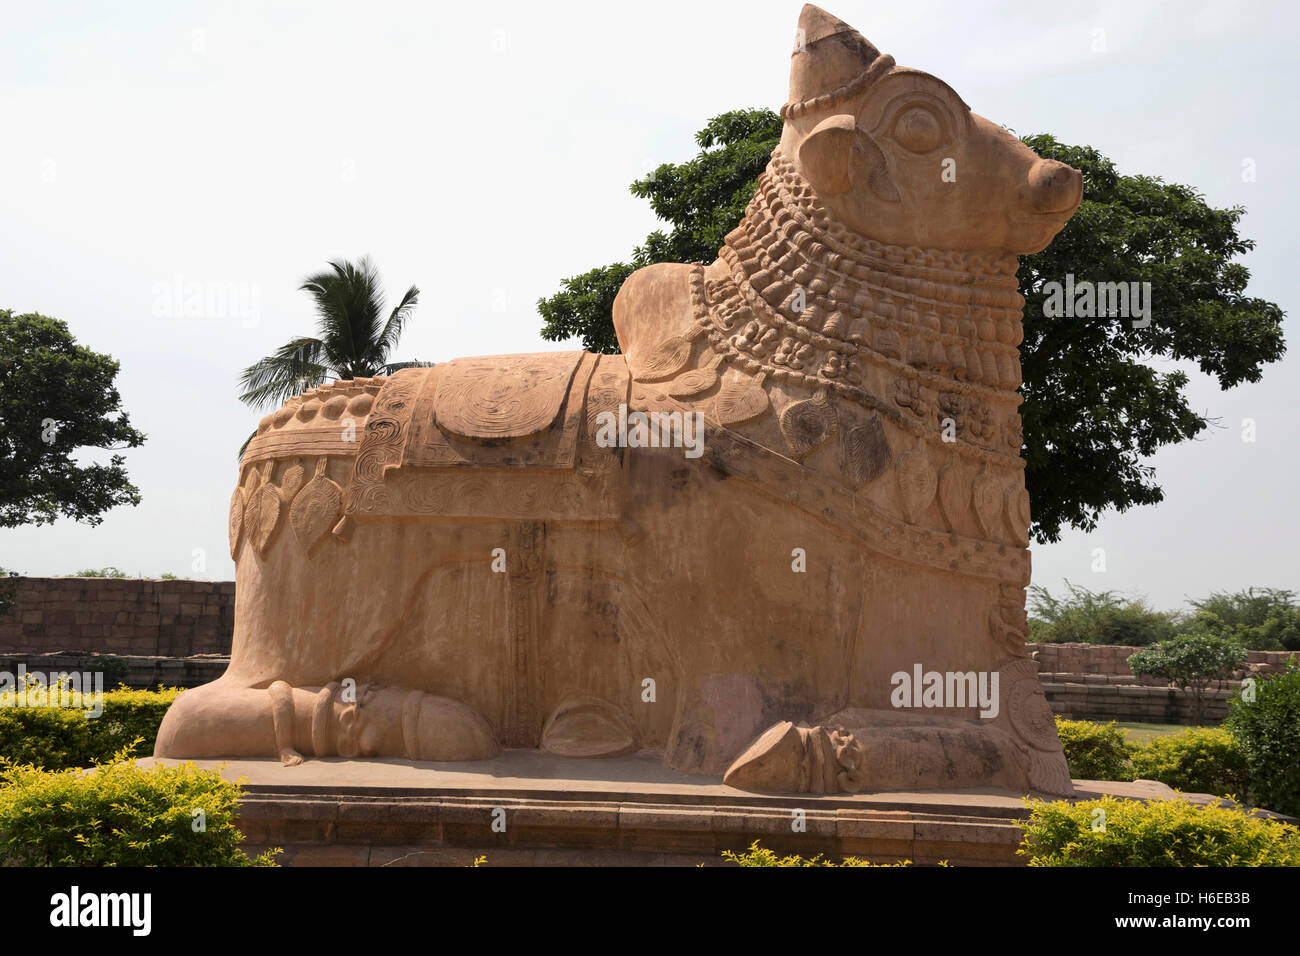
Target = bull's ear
(826,152)
(837,156)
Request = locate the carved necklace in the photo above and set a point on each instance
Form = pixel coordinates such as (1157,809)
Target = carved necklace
(807,302)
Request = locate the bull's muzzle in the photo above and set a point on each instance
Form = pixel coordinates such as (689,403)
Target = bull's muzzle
(1055,187)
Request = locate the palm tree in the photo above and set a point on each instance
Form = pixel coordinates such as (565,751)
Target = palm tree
(354,339)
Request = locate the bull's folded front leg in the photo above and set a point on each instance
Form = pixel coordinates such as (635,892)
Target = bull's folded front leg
(282,718)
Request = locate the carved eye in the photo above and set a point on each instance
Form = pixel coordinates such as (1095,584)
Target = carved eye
(918,130)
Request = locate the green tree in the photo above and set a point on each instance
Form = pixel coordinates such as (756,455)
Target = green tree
(355,336)
(1193,661)
(702,199)
(1093,409)
(57,397)
(1262,619)
(1095,617)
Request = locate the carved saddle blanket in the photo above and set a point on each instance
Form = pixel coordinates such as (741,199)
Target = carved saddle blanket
(494,436)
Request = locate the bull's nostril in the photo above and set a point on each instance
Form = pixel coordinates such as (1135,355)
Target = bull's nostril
(1055,187)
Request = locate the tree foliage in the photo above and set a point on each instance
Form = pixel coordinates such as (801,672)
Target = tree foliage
(702,200)
(1267,730)
(1193,661)
(57,397)
(355,336)
(1094,405)
(1263,619)
(1096,617)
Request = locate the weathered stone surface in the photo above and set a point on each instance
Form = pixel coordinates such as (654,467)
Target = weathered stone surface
(520,532)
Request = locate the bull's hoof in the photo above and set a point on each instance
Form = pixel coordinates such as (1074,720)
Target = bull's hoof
(589,727)
(792,759)
(438,728)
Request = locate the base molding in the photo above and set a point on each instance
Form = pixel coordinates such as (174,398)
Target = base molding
(528,808)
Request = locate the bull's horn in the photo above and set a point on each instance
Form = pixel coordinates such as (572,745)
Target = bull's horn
(828,54)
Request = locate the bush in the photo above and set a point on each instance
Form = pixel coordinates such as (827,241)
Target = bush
(1193,661)
(120,814)
(1196,760)
(130,715)
(1112,832)
(1095,751)
(109,572)
(1263,619)
(1095,618)
(8,591)
(758,855)
(1267,731)
(56,738)
(50,737)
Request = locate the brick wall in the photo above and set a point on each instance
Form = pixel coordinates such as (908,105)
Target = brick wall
(1094,682)
(1077,699)
(120,616)
(1111,659)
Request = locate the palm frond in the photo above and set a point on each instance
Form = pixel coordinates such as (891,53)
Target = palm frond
(333,293)
(397,319)
(354,340)
(293,368)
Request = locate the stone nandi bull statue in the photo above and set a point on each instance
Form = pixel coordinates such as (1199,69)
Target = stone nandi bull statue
(458,559)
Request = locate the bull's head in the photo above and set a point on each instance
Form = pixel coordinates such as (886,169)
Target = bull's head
(897,156)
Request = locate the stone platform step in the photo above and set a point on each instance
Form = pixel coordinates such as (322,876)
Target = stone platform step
(528,808)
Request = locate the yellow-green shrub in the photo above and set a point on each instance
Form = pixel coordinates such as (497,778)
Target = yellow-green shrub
(56,738)
(120,814)
(1196,760)
(133,714)
(758,855)
(1095,751)
(1159,833)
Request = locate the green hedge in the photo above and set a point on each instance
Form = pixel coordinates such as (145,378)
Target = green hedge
(1195,760)
(1267,731)
(1160,833)
(57,738)
(1252,758)
(1095,751)
(120,814)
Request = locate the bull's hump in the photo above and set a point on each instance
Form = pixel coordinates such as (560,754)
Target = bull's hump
(653,305)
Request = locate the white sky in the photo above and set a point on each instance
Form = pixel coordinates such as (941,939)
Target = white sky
(484,153)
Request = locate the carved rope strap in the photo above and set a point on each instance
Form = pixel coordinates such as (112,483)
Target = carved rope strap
(411,706)
(323,743)
(859,84)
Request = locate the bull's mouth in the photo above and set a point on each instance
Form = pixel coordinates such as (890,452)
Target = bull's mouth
(1035,232)
(1058,216)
